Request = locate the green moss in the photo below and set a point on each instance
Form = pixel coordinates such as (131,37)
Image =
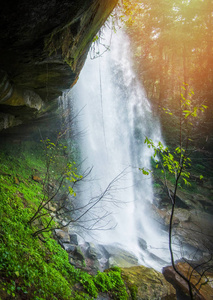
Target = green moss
(111,281)
(133,291)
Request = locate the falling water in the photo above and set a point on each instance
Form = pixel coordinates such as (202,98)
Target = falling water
(115,116)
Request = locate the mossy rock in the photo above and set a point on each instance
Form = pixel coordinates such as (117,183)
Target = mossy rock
(147,284)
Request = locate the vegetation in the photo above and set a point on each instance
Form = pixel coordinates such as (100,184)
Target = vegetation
(177,163)
(172,44)
(33,268)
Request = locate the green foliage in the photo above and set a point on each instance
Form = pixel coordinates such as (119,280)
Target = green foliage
(59,175)
(111,280)
(56,161)
(169,161)
(23,260)
(133,291)
(145,171)
(30,268)
(177,162)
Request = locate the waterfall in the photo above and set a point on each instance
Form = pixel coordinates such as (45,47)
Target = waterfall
(114,117)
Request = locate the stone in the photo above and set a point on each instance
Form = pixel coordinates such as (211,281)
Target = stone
(43,48)
(147,284)
(180,215)
(192,227)
(203,288)
(32,99)
(120,257)
(74,239)
(62,236)
(79,254)
(72,261)
(93,251)
(142,243)
(7,121)
(69,247)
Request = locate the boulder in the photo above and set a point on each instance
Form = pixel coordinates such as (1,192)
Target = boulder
(79,254)
(201,285)
(74,239)
(142,243)
(180,215)
(146,283)
(95,257)
(69,248)
(192,227)
(120,257)
(93,251)
(62,235)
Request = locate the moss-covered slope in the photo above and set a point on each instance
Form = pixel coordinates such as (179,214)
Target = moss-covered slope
(35,266)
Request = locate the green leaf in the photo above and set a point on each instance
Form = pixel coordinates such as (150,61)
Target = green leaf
(144,171)
(17,273)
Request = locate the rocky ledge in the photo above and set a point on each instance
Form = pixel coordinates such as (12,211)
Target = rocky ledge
(43,47)
(201,280)
(141,282)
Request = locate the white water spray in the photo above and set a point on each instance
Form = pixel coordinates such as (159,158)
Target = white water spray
(116,117)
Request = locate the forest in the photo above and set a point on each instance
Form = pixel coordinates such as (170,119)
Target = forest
(173,44)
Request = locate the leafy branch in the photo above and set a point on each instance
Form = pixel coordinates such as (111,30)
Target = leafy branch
(177,163)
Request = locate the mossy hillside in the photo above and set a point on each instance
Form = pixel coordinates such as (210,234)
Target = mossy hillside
(31,268)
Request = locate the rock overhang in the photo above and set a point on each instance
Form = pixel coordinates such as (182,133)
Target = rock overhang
(42,51)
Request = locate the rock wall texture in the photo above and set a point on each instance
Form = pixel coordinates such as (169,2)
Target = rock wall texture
(43,46)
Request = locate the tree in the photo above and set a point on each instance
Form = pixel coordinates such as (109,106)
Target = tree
(177,163)
(59,203)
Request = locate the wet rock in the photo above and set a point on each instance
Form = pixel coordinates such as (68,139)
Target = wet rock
(95,258)
(157,259)
(7,121)
(43,49)
(192,227)
(103,296)
(120,257)
(200,284)
(74,239)
(62,235)
(69,247)
(197,232)
(79,253)
(32,99)
(180,215)
(94,251)
(142,243)
(146,283)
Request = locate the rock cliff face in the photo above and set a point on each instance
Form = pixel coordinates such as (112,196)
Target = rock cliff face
(42,50)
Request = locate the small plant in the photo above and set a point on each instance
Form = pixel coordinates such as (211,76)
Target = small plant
(114,283)
(58,174)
